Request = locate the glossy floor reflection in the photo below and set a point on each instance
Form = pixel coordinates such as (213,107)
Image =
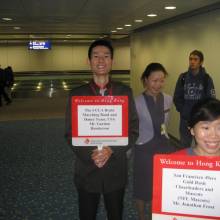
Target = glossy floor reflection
(54,85)
(43,88)
(37,99)
(40,96)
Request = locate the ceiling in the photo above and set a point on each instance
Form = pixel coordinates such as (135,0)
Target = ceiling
(83,20)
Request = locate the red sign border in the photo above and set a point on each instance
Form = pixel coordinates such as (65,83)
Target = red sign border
(99,100)
(157,179)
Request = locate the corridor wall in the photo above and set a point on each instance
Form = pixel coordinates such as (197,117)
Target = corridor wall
(60,58)
(170,44)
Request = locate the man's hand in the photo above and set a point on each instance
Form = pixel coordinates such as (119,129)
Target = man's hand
(100,157)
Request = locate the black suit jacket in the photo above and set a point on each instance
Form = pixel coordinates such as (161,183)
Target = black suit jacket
(113,175)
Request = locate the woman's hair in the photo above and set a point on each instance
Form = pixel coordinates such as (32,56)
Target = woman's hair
(152,67)
(205,110)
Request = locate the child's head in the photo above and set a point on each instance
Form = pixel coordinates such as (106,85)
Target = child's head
(205,110)
(204,125)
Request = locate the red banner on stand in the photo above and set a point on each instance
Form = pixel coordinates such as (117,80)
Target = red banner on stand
(186,188)
(99,120)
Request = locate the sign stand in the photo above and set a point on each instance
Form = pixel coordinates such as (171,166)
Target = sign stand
(100,146)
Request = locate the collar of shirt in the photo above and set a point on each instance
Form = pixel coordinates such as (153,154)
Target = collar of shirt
(97,90)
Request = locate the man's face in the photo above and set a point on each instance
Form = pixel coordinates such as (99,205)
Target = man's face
(101,61)
(194,62)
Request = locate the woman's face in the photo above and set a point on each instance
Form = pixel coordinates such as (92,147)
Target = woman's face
(207,136)
(155,82)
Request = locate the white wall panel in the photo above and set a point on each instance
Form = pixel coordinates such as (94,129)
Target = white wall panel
(171,44)
(59,58)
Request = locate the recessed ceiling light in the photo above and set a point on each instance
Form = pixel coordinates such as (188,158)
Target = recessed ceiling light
(128,25)
(68,35)
(17,28)
(119,28)
(152,15)
(170,7)
(114,31)
(7,19)
(138,20)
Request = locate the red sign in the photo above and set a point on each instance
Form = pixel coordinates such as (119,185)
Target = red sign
(99,120)
(186,187)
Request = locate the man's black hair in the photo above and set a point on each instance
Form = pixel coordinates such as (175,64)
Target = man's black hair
(199,54)
(101,42)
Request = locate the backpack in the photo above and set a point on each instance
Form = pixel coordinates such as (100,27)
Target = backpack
(205,80)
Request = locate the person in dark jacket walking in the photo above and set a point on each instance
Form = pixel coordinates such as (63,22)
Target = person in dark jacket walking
(2,88)
(192,86)
(101,172)
(1,85)
(9,78)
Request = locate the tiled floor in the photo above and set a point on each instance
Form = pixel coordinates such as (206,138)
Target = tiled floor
(33,108)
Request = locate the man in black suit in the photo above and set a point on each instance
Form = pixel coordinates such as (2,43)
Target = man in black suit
(102,171)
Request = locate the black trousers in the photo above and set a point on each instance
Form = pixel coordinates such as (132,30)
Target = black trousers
(4,94)
(88,204)
(185,135)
